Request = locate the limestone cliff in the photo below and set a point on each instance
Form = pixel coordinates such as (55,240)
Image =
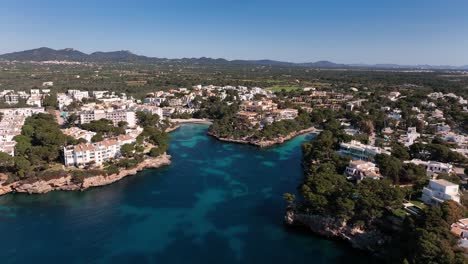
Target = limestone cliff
(66,183)
(369,240)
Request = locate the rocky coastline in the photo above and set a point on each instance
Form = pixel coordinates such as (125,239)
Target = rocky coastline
(267,143)
(66,183)
(173,128)
(367,240)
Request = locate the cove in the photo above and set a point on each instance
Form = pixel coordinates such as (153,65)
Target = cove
(216,203)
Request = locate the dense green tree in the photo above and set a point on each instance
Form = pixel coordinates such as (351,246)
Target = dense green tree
(127,150)
(97,138)
(401,152)
(50,101)
(389,166)
(6,162)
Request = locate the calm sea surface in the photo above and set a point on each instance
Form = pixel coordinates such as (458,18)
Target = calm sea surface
(216,203)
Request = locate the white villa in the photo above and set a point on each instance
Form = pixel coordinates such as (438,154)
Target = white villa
(361,151)
(439,191)
(359,170)
(433,167)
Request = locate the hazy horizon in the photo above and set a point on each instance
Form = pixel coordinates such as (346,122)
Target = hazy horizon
(363,31)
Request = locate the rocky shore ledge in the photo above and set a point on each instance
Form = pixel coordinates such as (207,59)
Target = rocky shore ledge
(367,240)
(65,183)
(267,143)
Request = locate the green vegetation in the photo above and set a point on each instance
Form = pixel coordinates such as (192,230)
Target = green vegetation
(280,88)
(437,152)
(133,154)
(153,132)
(104,128)
(114,77)
(428,239)
(231,127)
(38,147)
(372,204)
(325,191)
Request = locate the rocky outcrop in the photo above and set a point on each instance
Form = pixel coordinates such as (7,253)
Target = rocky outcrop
(41,186)
(369,240)
(172,128)
(267,143)
(101,180)
(66,183)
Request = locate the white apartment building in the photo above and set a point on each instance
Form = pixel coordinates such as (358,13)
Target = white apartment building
(96,153)
(78,95)
(34,100)
(168,111)
(63,100)
(114,115)
(361,151)
(258,106)
(99,94)
(11,124)
(154,110)
(282,114)
(154,100)
(8,147)
(439,191)
(359,170)
(78,133)
(25,111)
(175,102)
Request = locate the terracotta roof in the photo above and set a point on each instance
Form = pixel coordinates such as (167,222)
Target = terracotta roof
(84,147)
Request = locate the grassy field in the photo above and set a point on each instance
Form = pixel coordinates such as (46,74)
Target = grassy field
(279,88)
(418,204)
(400,212)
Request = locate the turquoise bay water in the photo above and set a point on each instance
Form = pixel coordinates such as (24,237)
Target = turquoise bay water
(216,203)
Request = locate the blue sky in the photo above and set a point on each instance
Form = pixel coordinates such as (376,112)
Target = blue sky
(343,31)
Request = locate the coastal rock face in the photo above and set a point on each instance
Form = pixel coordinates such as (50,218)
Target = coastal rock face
(101,180)
(45,186)
(369,240)
(4,189)
(66,184)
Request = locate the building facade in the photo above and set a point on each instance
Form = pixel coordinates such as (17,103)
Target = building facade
(439,191)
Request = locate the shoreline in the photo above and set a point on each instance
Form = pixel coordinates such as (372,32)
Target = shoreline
(372,241)
(170,129)
(66,183)
(268,143)
(178,122)
(193,120)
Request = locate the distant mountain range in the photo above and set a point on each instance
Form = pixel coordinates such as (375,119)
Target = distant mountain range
(124,56)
